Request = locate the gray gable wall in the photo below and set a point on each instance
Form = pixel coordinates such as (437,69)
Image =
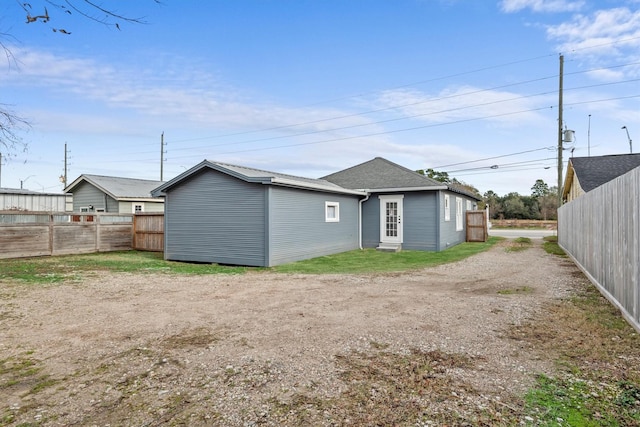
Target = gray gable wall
(213,217)
(594,171)
(85,195)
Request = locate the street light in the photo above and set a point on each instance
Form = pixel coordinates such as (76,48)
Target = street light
(22,181)
(630,142)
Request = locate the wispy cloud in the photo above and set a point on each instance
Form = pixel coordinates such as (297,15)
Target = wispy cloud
(189,96)
(463,103)
(511,6)
(605,32)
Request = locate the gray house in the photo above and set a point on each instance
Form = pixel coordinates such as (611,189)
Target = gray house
(97,193)
(228,214)
(405,209)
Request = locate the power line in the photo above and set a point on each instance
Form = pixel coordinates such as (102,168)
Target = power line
(405,105)
(494,157)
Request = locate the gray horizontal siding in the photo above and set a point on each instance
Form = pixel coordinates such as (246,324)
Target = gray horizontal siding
(298,227)
(213,217)
(420,222)
(371,222)
(449,236)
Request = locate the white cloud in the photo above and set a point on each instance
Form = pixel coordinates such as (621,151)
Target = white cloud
(188,97)
(606,32)
(511,6)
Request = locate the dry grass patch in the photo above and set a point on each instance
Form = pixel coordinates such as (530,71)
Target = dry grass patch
(383,388)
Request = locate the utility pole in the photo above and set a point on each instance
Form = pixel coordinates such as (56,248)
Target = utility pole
(161,154)
(63,178)
(560,137)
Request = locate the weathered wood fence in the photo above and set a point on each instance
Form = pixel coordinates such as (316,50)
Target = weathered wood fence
(477,226)
(25,234)
(148,232)
(601,232)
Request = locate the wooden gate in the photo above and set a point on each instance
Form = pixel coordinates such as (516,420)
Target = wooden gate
(477,226)
(148,232)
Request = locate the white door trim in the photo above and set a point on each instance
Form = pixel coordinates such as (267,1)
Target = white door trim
(391,229)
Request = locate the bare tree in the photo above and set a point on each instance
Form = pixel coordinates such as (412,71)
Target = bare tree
(49,12)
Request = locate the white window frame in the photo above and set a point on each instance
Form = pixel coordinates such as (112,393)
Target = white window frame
(469,206)
(133,207)
(459,224)
(331,211)
(447,208)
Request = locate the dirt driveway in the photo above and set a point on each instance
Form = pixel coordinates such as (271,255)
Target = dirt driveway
(273,349)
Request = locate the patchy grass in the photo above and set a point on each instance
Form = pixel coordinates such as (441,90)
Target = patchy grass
(519,244)
(551,246)
(516,291)
(371,260)
(597,356)
(44,270)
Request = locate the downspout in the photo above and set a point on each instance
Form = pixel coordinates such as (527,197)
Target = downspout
(360,219)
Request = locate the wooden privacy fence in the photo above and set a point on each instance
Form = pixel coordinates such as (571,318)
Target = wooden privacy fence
(477,226)
(25,234)
(148,232)
(36,234)
(601,232)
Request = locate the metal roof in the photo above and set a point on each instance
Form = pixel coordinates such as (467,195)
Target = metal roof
(260,176)
(117,187)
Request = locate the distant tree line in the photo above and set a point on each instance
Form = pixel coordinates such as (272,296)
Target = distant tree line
(541,204)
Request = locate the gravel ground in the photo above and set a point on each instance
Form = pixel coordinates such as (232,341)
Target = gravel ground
(239,350)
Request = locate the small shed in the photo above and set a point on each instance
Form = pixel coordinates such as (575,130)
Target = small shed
(228,214)
(13,199)
(97,193)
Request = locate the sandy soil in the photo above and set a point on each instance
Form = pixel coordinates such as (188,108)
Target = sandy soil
(154,349)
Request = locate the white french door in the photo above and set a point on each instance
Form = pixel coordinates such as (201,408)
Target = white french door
(391,219)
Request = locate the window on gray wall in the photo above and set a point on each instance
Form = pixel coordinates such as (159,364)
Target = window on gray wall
(332,212)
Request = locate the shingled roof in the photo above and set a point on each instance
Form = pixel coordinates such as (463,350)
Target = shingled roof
(383,175)
(379,173)
(594,171)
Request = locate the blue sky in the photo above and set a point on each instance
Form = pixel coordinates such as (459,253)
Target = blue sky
(310,87)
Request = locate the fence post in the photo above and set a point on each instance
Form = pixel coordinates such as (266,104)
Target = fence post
(51,230)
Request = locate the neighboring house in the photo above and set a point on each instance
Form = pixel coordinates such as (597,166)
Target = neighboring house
(13,199)
(228,214)
(586,173)
(96,193)
(405,209)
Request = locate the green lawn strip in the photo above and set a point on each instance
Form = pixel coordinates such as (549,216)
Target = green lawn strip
(47,270)
(371,260)
(44,270)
